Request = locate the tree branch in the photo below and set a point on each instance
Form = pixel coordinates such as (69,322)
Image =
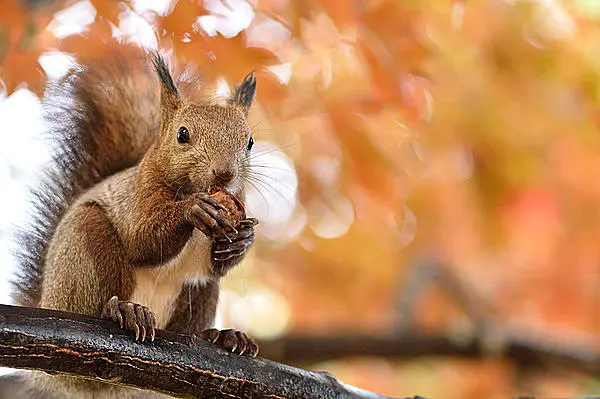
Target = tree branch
(97,349)
(525,350)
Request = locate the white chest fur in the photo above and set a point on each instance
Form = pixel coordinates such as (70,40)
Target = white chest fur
(158,287)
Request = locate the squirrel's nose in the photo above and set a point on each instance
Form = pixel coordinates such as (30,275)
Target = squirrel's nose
(222,176)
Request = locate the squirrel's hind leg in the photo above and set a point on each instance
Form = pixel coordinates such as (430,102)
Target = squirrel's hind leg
(86,264)
(85,267)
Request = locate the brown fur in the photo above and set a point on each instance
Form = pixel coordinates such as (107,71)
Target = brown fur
(195,309)
(127,230)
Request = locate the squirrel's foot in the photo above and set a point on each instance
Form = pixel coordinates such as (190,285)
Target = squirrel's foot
(232,340)
(205,216)
(226,254)
(131,317)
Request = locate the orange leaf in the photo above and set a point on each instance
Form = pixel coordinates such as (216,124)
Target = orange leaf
(94,42)
(108,10)
(22,41)
(364,160)
(235,60)
(271,92)
(180,20)
(290,14)
(219,56)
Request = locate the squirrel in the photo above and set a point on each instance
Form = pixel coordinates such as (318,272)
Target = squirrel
(125,228)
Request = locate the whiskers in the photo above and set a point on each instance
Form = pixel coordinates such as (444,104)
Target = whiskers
(180,182)
(273,179)
(257,154)
(260,186)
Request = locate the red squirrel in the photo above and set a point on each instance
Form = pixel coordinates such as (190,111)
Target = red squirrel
(125,226)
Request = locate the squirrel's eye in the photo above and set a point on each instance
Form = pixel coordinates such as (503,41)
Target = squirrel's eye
(250,144)
(183,136)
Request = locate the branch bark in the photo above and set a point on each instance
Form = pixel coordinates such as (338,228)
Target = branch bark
(85,346)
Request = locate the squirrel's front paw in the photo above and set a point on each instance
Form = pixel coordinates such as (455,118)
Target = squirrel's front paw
(231,340)
(226,253)
(131,317)
(204,215)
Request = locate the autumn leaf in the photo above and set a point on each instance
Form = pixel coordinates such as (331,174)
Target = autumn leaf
(95,42)
(220,56)
(271,91)
(109,10)
(179,22)
(22,41)
(366,166)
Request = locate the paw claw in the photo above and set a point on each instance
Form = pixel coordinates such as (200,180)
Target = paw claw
(226,252)
(231,340)
(131,317)
(151,322)
(210,335)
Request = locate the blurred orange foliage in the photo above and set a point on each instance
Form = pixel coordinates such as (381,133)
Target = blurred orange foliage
(465,131)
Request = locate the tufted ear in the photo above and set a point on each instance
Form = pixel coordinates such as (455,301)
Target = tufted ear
(169,97)
(244,93)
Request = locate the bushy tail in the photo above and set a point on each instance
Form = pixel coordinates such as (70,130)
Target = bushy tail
(100,118)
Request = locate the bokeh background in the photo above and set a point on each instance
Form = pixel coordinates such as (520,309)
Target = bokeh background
(423,168)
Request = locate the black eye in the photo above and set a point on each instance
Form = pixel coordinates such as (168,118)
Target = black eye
(250,144)
(183,136)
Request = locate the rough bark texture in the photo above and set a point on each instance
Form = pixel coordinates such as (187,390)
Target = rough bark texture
(85,346)
(80,345)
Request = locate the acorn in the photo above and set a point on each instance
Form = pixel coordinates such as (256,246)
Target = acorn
(236,213)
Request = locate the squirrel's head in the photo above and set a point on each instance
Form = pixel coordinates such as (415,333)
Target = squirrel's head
(203,144)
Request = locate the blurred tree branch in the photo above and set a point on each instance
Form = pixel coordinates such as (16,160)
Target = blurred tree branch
(489,337)
(525,350)
(66,343)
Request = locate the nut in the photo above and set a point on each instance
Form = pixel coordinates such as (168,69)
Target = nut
(235,207)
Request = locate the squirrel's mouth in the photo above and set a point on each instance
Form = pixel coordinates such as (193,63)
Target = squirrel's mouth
(199,185)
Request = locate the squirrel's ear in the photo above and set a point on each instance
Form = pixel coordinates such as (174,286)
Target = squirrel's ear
(244,93)
(168,90)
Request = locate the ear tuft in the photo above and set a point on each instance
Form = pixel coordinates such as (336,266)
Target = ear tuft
(164,74)
(244,93)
